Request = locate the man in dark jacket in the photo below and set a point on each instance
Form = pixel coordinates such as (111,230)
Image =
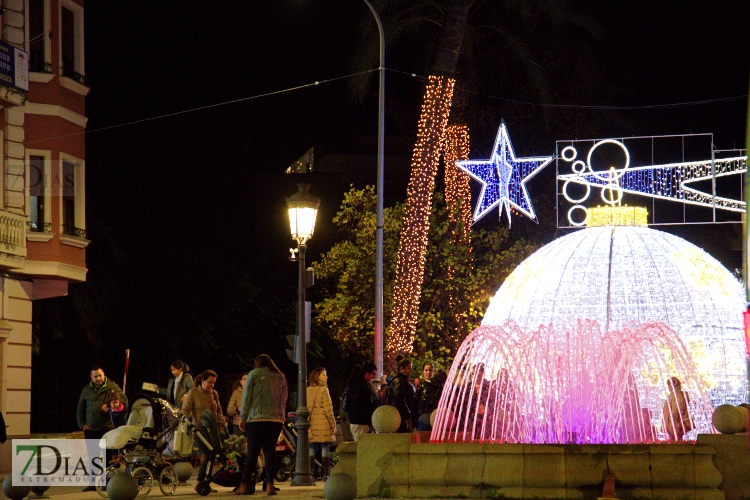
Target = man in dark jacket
(402,394)
(362,400)
(92,412)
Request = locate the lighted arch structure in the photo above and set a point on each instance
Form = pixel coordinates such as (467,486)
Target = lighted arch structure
(614,275)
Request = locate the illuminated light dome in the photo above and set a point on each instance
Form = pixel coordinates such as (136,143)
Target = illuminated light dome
(614,275)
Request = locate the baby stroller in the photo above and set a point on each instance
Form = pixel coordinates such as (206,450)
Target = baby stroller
(230,454)
(155,430)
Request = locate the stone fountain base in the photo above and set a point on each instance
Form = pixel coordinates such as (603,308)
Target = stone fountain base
(390,465)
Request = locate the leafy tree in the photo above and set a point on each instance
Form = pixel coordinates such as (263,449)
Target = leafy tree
(455,293)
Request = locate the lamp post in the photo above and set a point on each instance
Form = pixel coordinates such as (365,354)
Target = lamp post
(303,208)
(379,209)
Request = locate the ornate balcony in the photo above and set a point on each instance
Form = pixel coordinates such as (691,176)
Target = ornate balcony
(12,239)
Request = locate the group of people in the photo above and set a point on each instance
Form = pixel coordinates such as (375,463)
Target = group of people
(257,408)
(415,399)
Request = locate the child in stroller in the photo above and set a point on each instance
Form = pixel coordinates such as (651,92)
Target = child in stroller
(155,430)
(229,453)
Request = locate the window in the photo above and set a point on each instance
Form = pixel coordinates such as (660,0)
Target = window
(69,197)
(36,180)
(71,41)
(38,37)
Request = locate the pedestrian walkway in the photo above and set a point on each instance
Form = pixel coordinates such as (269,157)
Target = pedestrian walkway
(187,491)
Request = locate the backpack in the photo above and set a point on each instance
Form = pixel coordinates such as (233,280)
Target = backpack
(386,396)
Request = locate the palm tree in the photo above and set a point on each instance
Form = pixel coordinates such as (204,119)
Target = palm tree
(459,39)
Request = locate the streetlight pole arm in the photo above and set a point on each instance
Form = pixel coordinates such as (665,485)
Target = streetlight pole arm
(379,209)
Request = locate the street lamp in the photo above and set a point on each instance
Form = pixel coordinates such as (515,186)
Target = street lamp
(303,209)
(379,207)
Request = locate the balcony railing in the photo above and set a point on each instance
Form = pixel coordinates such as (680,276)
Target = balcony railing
(75,231)
(12,234)
(40,67)
(39,227)
(68,71)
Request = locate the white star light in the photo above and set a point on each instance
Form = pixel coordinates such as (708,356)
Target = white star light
(504,178)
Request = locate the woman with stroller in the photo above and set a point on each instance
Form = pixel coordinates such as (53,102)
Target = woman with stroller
(203,397)
(261,418)
(235,404)
(322,421)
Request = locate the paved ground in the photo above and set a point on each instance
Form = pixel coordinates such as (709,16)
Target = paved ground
(187,492)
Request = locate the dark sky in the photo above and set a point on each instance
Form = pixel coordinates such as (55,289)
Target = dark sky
(191,179)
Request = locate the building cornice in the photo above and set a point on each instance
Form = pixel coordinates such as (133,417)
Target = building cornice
(74,86)
(34,108)
(58,269)
(40,77)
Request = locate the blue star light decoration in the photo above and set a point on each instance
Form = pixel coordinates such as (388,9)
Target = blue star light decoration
(504,178)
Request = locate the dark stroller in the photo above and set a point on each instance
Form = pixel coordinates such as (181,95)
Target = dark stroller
(231,461)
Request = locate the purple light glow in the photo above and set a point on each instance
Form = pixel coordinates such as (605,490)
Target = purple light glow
(581,386)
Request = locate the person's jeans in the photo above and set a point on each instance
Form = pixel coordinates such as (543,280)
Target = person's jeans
(261,435)
(94,451)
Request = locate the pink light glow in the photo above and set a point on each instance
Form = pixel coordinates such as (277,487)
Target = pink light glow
(582,386)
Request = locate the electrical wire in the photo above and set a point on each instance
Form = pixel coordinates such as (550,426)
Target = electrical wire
(209,106)
(584,106)
(413,75)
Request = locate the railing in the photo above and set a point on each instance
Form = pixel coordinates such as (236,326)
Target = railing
(69,72)
(74,231)
(41,67)
(39,227)
(12,233)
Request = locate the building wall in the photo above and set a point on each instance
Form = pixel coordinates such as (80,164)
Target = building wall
(48,121)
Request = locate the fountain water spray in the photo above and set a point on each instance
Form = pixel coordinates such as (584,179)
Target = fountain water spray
(581,386)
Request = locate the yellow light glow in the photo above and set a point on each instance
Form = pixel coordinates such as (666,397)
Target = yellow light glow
(302,222)
(617,216)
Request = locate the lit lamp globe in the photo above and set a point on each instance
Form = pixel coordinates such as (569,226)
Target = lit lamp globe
(303,209)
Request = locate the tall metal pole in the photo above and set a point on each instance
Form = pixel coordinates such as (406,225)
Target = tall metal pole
(302,474)
(379,216)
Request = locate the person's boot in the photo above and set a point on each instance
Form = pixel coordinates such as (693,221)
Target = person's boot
(242,489)
(326,467)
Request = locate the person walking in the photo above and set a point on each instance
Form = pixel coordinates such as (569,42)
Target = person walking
(261,418)
(92,413)
(235,405)
(402,392)
(322,421)
(180,383)
(361,399)
(203,397)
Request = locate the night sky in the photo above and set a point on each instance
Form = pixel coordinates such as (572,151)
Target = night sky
(180,205)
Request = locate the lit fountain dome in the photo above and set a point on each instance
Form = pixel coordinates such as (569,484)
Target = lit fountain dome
(616,274)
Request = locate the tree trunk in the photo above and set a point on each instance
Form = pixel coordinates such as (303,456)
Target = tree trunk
(413,244)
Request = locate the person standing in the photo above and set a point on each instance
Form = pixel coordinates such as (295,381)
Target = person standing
(235,405)
(180,383)
(362,400)
(322,421)
(261,418)
(203,397)
(402,391)
(92,413)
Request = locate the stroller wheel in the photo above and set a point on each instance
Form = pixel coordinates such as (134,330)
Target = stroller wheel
(203,488)
(145,480)
(282,475)
(167,480)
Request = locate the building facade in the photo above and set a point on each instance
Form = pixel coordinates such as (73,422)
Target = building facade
(42,209)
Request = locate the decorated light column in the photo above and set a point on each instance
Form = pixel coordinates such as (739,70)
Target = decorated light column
(303,209)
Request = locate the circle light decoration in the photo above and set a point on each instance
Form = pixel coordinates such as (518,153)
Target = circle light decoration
(619,274)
